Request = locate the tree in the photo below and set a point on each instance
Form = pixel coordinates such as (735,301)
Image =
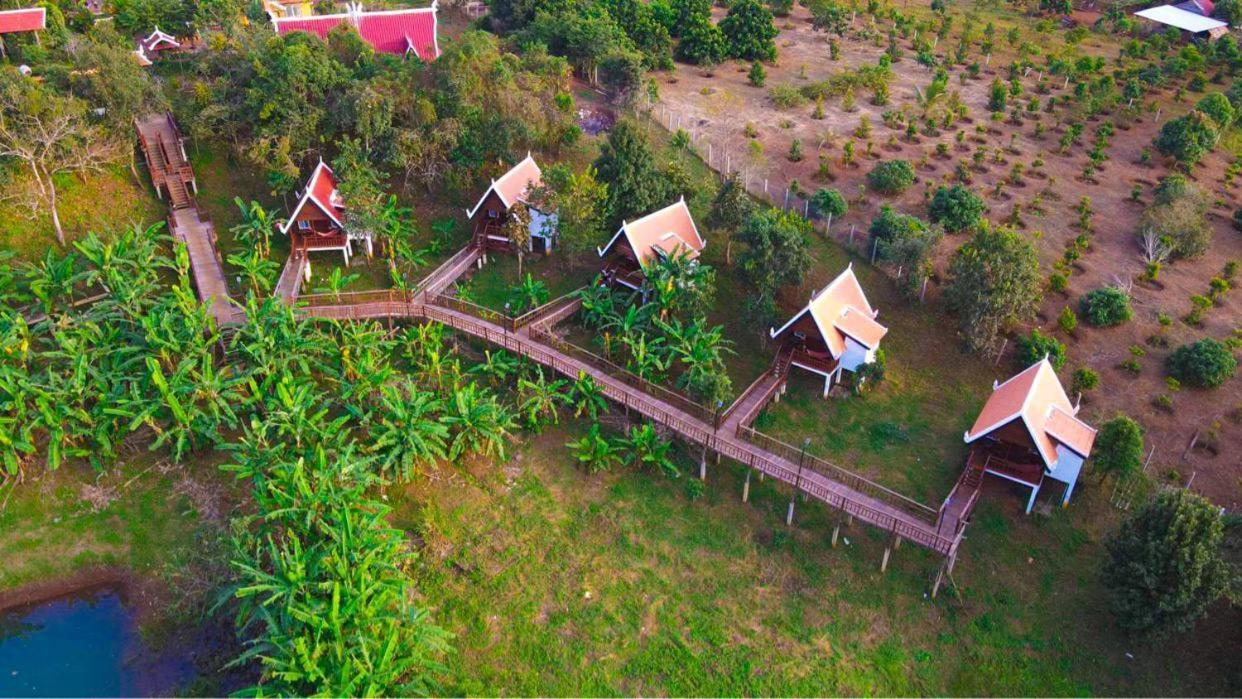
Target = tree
(757,75)
(957,208)
(702,43)
(594,451)
(1034,347)
(830,203)
(635,185)
(907,243)
(647,449)
(998,96)
(686,13)
(830,16)
(1230,11)
(579,201)
(1118,447)
(516,230)
(1106,307)
(50,135)
(730,207)
(1217,106)
(1176,223)
(891,177)
(994,282)
(776,250)
(1207,363)
(1162,567)
(1188,138)
(749,30)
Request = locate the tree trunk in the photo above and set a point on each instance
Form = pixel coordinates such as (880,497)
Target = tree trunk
(729,251)
(60,232)
(520,265)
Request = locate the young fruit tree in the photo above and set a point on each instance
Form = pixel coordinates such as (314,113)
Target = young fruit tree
(1118,448)
(994,282)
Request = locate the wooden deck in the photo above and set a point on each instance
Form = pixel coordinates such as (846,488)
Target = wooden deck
(173,178)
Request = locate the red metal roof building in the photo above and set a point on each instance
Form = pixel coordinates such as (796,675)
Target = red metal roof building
(31,19)
(398,32)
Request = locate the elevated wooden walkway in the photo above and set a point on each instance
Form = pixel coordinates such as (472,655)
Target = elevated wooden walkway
(164,151)
(726,432)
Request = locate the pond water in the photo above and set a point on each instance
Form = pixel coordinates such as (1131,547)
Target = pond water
(84,644)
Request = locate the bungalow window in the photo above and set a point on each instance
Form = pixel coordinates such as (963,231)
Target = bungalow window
(304,225)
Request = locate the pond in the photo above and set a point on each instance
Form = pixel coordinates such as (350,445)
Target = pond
(84,644)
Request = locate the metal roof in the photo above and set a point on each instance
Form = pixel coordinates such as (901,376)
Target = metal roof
(1182,19)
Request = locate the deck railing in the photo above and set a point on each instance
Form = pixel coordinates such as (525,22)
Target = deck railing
(832,471)
(553,311)
(543,334)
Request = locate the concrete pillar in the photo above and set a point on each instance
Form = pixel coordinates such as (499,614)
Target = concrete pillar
(746,487)
(836,531)
(884,563)
(703,464)
(789,515)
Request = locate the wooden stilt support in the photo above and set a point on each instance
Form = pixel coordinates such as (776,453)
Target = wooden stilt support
(896,543)
(939,579)
(836,531)
(746,487)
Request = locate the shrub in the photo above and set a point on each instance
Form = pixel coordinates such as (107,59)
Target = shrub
(1058,282)
(1106,307)
(1207,363)
(1084,379)
(1163,566)
(786,96)
(1188,138)
(891,176)
(1067,320)
(1036,346)
(957,208)
(757,75)
(1118,447)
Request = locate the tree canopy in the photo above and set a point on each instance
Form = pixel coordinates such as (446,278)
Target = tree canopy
(994,282)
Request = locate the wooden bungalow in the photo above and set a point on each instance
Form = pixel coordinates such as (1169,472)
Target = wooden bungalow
(317,222)
(836,331)
(489,215)
(154,43)
(1028,432)
(638,244)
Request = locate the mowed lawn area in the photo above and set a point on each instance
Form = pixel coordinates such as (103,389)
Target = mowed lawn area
(559,582)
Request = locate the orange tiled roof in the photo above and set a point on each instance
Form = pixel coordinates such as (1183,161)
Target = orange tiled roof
(1036,397)
(661,233)
(841,310)
(514,185)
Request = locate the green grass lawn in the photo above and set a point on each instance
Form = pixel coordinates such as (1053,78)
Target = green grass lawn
(104,202)
(556,582)
(492,286)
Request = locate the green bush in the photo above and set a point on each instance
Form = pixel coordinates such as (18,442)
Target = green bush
(957,208)
(891,177)
(1207,363)
(1084,379)
(1118,447)
(1106,307)
(1036,346)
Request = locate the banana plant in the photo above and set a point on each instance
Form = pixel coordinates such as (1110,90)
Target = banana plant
(406,431)
(594,451)
(478,423)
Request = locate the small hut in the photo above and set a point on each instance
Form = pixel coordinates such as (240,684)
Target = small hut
(488,217)
(317,222)
(30,19)
(658,235)
(1028,432)
(153,44)
(836,331)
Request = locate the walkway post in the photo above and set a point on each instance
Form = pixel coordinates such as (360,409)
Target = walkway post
(746,486)
(797,481)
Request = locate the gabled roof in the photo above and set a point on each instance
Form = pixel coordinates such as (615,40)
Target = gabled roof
(157,41)
(514,185)
(1199,7)
(1182,19)
(30,19)
(660,234)
(320,193)
(387,31)
(841,310)
(1035,397)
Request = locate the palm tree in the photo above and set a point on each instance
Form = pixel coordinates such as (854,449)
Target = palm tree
(479,423)
(408,431)
(336,282)
(531,293)
(255,229)
(541,399)
(587,397)
(497,366)
(259,271)
(647,449)
(594,451)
